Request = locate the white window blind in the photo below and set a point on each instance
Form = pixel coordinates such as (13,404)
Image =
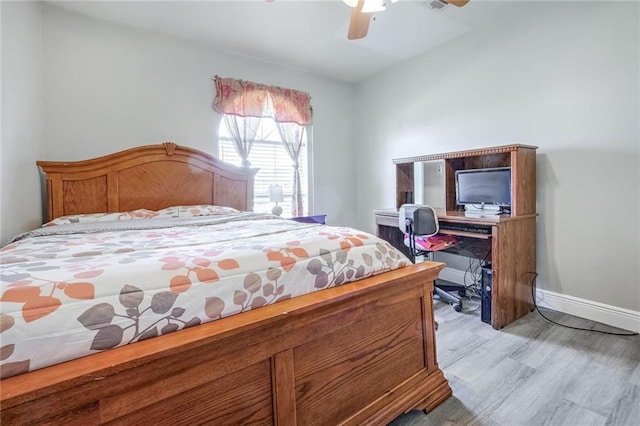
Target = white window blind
(269,155)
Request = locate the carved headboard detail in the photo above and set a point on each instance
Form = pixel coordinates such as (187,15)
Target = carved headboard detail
(150,177)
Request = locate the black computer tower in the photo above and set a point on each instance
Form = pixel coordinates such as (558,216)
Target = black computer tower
(487,280)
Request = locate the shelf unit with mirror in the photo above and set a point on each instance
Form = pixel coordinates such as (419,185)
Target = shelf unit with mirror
(510,246)
(520,158)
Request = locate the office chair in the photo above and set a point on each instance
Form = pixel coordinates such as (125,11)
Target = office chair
(417,220)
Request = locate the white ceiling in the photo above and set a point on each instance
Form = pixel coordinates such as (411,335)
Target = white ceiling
(303,34)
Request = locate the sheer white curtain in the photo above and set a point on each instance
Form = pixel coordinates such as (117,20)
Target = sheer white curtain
(292,135)
(242,102)
(243,132)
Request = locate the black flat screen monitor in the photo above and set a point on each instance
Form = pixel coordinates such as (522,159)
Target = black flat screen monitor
(480,187)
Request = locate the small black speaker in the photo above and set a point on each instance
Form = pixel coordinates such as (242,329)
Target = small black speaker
(486,293)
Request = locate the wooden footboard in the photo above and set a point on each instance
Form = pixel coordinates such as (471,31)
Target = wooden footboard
(361,353)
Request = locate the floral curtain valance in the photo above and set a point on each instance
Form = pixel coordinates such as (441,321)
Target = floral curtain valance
(249,99)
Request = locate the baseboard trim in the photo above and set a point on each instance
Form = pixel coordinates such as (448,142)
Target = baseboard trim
(614,316)
(595,311)
(455,276)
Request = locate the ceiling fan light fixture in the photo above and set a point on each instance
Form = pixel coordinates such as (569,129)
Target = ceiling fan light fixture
(456,3)
(371,6)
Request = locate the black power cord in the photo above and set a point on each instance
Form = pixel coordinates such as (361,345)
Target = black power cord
(533,296)
(412,241)
(474,289)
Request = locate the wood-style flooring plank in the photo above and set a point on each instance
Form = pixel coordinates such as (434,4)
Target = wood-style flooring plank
(569,413)
(635,376)
(533,372)
(627,410)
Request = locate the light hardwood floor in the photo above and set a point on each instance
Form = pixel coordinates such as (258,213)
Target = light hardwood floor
(533,372)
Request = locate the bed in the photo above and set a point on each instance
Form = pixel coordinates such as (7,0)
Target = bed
(360,352)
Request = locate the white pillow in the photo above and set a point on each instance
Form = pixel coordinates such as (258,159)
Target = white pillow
(102,217)
(193,211)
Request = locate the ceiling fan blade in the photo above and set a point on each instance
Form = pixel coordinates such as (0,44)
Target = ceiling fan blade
(457,3)
(359,23)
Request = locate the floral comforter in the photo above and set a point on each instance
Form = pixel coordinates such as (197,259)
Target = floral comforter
(78,289)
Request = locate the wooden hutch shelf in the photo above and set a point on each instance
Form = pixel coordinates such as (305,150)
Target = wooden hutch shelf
(510,242)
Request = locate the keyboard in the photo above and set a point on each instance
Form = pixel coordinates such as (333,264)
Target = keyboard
(452,226)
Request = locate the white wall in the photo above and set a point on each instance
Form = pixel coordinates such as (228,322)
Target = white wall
(22,117)
(108,87)
(564,78)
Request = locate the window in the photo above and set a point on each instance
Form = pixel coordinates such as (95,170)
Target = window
(269,155)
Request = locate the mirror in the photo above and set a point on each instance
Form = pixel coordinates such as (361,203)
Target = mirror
(428,183)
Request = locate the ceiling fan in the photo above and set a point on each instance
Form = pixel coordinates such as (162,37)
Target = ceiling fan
(361,11)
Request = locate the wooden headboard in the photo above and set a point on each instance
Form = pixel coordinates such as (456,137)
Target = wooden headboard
(150,177)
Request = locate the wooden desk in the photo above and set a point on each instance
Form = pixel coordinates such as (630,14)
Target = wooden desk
(511,243)
(510,247)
